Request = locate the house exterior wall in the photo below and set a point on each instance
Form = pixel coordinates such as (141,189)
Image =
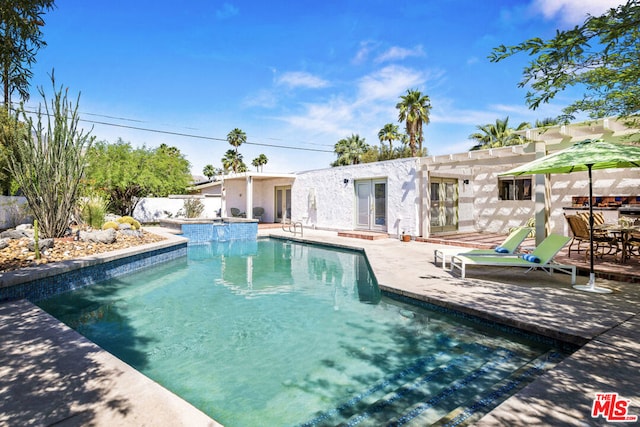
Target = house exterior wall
(263,195)
(322,199)
(480,208)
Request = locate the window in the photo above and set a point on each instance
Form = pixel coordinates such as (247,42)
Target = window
(514,188)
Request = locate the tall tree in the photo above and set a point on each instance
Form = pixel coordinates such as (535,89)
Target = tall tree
(259,162)
(601,56)
(236,138)
(209,171)
(350,150)
(389,133)
(414,109)
(498,135)
(232,161)
(125,174)
(20,40)
(47,159)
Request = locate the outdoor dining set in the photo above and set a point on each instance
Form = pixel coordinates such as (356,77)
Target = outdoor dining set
(620,240)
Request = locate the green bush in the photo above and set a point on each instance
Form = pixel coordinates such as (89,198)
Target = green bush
(93,210)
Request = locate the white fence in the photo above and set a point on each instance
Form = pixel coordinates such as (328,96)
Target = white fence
(152,209)
(13,210)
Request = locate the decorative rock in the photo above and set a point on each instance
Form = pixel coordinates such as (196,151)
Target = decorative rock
(129,232)
(42,244)
(25,227)
(4,243)
(107,236)
(15,234)
(124,226)
(111,217)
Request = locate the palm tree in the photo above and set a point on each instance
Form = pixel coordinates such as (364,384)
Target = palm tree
(414,109)
(548,121)
(259,162)
(389,133)
(498,135)
(232,160)
(350,150)
(236,138)
(209,171)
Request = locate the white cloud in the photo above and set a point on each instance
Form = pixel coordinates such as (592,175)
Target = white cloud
(388,83)
(301,79)
(396,53)
(227,11)
(573,11)
(363,53)
(334,118)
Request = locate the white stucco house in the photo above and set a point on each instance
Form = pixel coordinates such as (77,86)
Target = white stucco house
(438,194)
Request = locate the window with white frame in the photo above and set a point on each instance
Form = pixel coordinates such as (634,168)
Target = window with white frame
(514,188)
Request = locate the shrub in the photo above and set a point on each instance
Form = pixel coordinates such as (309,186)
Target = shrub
(93,210)
(110,224)
(193,208)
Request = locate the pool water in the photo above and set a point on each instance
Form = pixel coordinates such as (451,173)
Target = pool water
(276,333)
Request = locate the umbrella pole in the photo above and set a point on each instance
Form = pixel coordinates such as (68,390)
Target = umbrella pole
(591,286)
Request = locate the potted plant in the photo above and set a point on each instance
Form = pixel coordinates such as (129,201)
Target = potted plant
(405,237)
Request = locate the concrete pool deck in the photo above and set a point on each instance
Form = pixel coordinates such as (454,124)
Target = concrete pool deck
(51,375)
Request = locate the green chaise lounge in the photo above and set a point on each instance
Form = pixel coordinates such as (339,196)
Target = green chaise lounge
(541,257)
(508,247)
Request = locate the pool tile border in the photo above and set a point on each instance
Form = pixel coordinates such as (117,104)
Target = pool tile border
(43,281)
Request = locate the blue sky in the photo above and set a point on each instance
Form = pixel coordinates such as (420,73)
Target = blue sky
(293,73)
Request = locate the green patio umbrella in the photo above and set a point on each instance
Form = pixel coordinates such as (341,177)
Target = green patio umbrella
(585,155)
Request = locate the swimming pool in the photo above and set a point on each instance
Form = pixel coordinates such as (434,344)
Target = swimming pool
(271,332)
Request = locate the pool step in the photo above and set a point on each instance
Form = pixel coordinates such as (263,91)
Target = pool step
(428,399)
(482,403)
(431,365)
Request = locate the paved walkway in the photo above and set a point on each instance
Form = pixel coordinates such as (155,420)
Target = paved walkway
(50,374)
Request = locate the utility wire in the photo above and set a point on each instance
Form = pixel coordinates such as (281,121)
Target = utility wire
(186,135)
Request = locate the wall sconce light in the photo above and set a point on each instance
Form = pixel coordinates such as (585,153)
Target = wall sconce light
(466,181)
(346,180)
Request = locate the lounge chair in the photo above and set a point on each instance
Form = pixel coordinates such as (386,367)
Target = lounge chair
(258,213)
(541,257)
(235,212)
(507,247)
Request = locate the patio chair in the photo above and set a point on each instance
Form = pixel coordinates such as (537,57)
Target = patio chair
(258,213)
(541,257)
(235,212)
(507,247)
(604,244)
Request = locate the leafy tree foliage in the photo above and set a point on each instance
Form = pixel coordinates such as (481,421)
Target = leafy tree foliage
(20,40)
(350,150)
(125,174)
(414,109)
(47,160)
(236,138)
(602,56)
(7,126)
(209,171)
(498,135)
(233,161)
(259,162)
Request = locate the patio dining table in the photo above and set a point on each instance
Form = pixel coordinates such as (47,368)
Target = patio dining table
(622,232)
